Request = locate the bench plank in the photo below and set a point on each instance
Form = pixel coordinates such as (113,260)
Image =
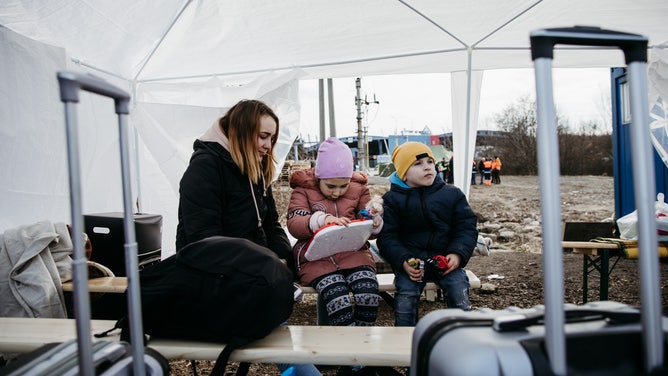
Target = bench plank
(23,334)
(331,345)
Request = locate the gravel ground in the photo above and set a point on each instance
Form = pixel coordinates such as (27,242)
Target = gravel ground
(509,213)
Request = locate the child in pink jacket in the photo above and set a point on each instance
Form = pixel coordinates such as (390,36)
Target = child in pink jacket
(331,193)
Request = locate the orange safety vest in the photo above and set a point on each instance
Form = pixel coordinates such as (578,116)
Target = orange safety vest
(487,164)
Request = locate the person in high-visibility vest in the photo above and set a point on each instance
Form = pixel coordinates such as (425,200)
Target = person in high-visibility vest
(496,170)
(487,171)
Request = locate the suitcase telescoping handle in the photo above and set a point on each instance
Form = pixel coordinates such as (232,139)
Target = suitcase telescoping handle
(635,51)
(70,86)
(520,322)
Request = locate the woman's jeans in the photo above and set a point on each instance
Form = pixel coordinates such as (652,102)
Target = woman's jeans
(455,286)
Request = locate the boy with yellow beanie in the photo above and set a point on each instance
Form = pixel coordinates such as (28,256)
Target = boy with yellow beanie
(425,220)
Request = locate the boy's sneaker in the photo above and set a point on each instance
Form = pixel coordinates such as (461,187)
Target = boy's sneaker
(298,294)
(483,247)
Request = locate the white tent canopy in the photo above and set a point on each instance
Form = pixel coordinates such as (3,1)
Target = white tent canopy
(185,62)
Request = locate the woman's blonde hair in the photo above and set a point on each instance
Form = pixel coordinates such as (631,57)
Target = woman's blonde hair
(241,125)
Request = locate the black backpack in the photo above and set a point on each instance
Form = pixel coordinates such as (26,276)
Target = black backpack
(218,289)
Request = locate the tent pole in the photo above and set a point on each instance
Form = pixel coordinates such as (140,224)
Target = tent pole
(465,164)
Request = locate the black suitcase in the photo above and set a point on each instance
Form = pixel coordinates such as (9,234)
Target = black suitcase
(83,356)
(556,339)
(107,236)
(105,231)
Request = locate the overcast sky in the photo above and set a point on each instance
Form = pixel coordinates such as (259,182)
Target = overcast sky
(414,101)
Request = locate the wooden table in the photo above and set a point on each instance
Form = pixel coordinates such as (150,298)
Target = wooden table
(595,256)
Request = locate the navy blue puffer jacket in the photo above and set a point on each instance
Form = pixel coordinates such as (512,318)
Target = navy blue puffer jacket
(424,222)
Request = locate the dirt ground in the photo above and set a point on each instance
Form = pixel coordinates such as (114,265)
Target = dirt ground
(509,213)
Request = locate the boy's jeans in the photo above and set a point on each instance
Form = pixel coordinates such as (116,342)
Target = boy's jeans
(455,286)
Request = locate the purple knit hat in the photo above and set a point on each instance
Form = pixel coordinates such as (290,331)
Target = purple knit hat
(335,160)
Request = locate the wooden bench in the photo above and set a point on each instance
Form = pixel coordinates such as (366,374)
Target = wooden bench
(119,284)
(385,284)
(327,345)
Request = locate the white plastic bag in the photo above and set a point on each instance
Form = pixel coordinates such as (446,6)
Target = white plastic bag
(661,211)
(628,224)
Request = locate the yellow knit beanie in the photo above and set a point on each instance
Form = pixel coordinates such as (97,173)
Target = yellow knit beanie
(405,154)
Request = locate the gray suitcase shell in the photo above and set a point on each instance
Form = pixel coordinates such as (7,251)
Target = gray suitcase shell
(525,342)
(109,359)
(601,338)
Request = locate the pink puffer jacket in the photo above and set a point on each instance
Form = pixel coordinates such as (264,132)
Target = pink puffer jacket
(306,199)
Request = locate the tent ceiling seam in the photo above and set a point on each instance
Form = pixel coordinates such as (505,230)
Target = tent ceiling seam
(162,38)
(434,23)
(307,66)
(508,22)
(380,58)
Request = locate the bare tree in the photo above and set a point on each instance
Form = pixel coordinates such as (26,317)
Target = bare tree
(518,146)
(604,107)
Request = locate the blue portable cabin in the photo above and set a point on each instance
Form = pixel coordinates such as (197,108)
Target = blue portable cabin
(621,148)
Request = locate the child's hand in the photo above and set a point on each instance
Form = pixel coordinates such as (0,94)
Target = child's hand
(377,221)
(330,219)
(454,260)
(415,274)
(375,206)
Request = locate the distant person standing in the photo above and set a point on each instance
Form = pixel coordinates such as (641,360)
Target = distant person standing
(444,169)
(487,171)
(473,171)
(481,167)
(451,169)
(496,170)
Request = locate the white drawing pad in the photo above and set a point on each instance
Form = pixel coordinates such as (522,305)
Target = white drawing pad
(332,239)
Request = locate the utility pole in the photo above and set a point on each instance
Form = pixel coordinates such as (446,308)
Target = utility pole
(330,95)
(321,103)
(362,141)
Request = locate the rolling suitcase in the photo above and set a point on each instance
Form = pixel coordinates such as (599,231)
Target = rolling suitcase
(83,356)
(557,339)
